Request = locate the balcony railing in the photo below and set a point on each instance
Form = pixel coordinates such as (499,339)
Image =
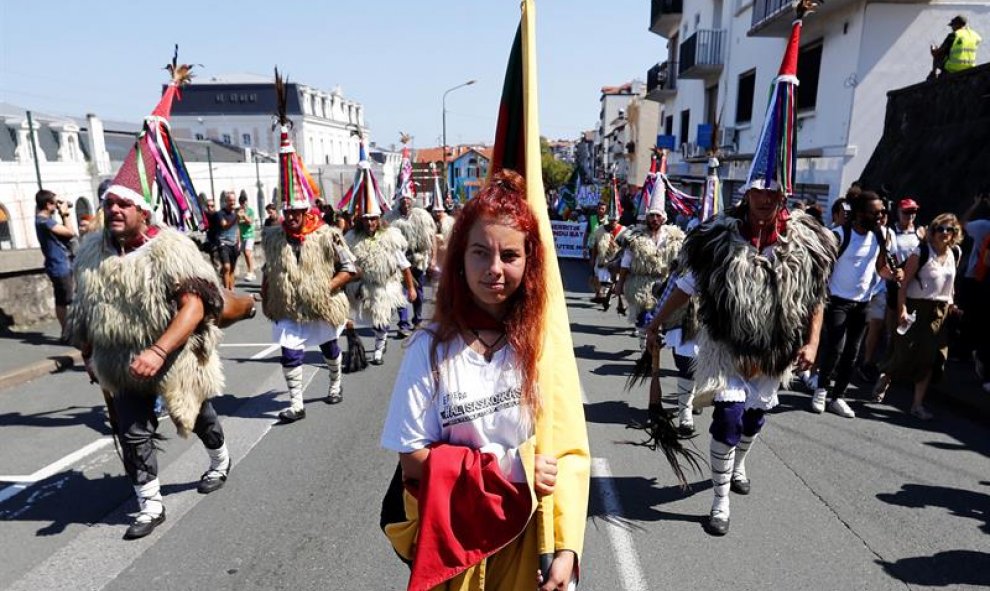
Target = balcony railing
(765,10)
(661,81)
(665,16)
(702,54)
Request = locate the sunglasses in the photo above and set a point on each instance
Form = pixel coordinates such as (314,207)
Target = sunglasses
(909,211)
(945,229)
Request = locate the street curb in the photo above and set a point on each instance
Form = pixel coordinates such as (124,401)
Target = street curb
(53,364)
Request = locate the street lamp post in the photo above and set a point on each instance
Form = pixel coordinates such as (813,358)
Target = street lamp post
(446,168)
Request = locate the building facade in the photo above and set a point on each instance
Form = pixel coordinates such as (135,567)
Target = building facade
(613,100)
(722,57)
(237,110)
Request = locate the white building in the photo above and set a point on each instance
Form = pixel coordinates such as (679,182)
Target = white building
(614,99)
(722,57)
(238,109)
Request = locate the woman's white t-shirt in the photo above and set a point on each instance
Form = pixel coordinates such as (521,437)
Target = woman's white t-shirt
(474,403)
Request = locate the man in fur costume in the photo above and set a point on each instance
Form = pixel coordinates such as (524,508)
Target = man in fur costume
(444,226)
(760,276)
(307,265)
(605,250)
(146,315)
(382,264)
(650,252)
(418,228)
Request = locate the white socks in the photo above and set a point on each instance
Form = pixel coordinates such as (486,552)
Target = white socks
(722,460)
(293,379)
(685,402)
(149,496)
(334,366)
(381,338)
(742,449)
(219,458)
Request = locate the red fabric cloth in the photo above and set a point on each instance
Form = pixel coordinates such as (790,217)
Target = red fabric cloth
(467,512)
(768,235)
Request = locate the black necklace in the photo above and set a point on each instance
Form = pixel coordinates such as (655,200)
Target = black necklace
(489,347)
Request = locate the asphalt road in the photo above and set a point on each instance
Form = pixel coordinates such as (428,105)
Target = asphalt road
(878,502)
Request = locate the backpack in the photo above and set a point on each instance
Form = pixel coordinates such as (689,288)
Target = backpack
(879,234)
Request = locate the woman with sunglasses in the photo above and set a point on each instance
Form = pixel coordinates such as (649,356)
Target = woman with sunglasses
(927,295)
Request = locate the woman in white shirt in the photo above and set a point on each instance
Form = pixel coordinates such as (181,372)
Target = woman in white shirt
(927,294)
(469,380)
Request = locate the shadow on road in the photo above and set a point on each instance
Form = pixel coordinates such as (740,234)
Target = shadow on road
(93,417)
(959,502)
(953,567)
(649,498)
(37,506)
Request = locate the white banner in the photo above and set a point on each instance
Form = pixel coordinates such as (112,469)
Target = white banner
(568,238)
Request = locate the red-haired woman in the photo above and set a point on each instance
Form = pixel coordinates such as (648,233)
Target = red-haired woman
(464,408)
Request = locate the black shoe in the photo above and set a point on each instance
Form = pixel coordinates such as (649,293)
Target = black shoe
(739,486)
(402,333)
(291,415)
(685,431)
(212,480)
(335,398)
(717,526)
(621,309)
(139,529)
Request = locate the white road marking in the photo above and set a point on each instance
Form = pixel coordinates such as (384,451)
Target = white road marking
(623,548)
(77,566)
(22,482)
(266,351)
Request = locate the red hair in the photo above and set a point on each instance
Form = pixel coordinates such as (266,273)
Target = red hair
(504,199)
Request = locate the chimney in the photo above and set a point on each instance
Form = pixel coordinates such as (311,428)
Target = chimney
(99,157)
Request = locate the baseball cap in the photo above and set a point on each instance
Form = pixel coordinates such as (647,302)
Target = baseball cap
(907,204)
(958,20)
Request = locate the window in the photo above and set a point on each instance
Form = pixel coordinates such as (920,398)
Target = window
(246,139)
(809,67)
(685,125)
(226,138)
(668,125)
(200,137)
(711,104)
(744,96)
(83,208)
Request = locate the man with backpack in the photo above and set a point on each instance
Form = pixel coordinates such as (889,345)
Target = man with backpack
(862,256)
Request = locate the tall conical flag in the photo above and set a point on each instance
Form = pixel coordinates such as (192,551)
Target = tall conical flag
(161,180)
(713,191)
(405,187)
(364,198)
(650,186)
(296,187)
(560,427)
(437,204)
(614,207)
(775,159)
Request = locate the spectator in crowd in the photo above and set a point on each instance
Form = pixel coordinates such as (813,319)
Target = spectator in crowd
(908,236)
(815,210)
(213,232)
(84,222)
(876,312)
(975,286)
(271,215)
(862,255)
(840,209)
(245,223)
(923,304)
(229,237)
(52,224)
(958,51)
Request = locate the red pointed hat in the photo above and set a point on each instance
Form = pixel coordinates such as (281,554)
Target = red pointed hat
(136,184)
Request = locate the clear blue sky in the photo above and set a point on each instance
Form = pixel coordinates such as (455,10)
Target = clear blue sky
(396,57)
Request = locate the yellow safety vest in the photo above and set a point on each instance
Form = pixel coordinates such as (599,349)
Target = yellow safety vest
(962,56)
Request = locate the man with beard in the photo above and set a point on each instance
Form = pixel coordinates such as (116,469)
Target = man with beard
(383,267)
(419,230)
(862,256)
(307,265)
(146,318)
(646,261)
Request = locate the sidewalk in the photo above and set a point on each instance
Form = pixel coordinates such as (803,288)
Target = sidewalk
(32,353)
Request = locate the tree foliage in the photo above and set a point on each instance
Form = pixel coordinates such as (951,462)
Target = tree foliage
(555,172)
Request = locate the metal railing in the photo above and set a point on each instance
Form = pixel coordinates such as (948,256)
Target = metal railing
(705,49)
(662,76)
(764,10)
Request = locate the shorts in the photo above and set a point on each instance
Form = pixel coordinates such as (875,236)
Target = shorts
(64,288)
(227,254)
(247,244)
(877,308)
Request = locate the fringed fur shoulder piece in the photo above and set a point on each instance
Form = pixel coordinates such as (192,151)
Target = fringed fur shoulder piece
(758,307)
(379,292)
(297,287)
(125,303)
(605,245)
(418,229)
(652,259)
(446,227)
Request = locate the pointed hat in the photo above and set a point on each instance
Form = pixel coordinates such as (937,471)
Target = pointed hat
(161,178)
(296,187)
